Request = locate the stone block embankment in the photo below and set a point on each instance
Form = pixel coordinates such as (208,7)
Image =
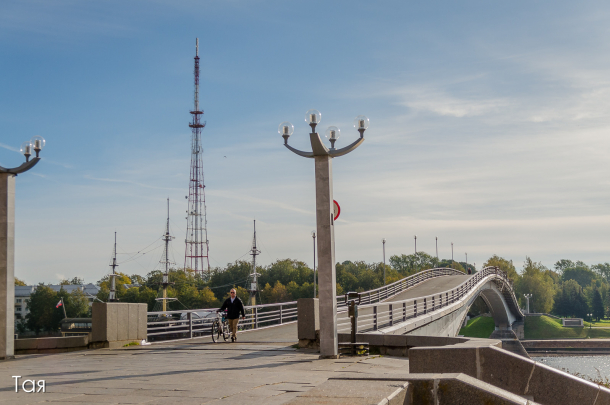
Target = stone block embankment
(567,346)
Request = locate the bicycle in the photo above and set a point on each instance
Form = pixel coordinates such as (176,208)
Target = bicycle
(220,327)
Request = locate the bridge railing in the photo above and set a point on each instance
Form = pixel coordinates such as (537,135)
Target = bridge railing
(186,324)
(385,314)
(390,290)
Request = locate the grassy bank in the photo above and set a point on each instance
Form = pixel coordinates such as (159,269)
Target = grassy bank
(544,327)
(480,327)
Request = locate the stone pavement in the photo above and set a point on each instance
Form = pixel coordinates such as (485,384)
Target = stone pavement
(262,368)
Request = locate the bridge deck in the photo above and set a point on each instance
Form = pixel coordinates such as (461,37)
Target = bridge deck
(429,287)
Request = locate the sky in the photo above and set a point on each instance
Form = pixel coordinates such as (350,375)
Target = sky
(489,128)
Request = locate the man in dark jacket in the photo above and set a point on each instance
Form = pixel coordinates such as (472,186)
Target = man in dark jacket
(234,306)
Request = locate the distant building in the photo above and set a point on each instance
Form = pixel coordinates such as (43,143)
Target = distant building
(22,295)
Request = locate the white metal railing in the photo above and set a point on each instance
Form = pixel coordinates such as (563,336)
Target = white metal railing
(165,325)
(186,324)
(390,290)
(385,314)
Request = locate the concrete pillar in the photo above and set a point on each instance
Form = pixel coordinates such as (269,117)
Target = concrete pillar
(7,265)
(327,283)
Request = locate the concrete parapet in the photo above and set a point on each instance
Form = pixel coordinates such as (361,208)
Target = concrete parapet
(51,344)
(507,371)
(398,345)
(409,389)
(308,322)
(426,389)
(116,323)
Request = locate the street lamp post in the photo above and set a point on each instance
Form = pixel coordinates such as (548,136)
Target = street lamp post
(415,243)
(451,251)
(383,241)
(325,218)
(527,297)
(7,244)
(313,235)
(436,238)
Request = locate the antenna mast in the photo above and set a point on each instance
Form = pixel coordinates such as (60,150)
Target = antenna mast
(253,274)
(166,238)
(114,265)
(197,244)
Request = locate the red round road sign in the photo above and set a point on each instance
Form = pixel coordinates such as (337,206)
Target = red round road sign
(337,209)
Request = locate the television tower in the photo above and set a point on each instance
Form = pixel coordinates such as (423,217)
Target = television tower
(196,254)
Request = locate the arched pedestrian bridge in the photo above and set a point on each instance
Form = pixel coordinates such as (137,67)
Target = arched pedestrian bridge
(432,302)
(435,304)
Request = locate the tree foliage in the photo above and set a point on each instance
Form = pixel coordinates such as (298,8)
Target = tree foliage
(43,314)
(506,266)
(570,301)
(537,280)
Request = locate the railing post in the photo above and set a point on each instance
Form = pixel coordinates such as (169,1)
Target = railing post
(255,317)
(425,306)
(189,316)
(433,303)
(281,314)
(415,308)
(391,314)
(404,311)
(375,317)
(441,300)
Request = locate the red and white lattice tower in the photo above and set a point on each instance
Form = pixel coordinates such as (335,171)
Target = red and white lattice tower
(197,249)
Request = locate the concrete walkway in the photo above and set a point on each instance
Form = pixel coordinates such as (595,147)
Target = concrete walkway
(261,368)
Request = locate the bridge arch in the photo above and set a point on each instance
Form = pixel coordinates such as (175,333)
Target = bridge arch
(501,302)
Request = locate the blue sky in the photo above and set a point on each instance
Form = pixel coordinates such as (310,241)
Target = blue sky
(489,127)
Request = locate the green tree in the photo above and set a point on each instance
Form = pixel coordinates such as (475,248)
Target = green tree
(504,265)
(570,300)
(536,280)
(582,274)
(277,293)
(43,315)
(411,264)
(19,282)
(598,305)
(74,281)
(603,270)
(563,264)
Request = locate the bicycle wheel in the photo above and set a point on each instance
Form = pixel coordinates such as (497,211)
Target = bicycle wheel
(214,331)
(225,331)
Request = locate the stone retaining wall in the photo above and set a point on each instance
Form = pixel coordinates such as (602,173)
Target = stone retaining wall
(51,344)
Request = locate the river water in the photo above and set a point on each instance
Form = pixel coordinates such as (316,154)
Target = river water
(585,365)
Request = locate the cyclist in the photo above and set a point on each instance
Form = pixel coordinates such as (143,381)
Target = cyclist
(234,306)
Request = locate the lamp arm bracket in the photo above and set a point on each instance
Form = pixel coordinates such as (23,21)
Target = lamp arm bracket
(298,152)
(23,168)
(347,149)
